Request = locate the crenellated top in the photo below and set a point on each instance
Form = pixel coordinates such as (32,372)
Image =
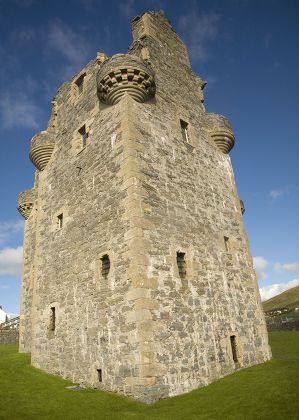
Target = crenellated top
(125,73)
(221,131)
(41,148)
(26,201)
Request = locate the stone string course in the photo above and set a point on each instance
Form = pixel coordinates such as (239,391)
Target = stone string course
(139,193)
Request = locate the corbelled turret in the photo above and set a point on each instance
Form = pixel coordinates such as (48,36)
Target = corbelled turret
(125,73)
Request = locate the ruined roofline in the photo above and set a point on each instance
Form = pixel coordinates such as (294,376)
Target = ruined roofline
(160,13)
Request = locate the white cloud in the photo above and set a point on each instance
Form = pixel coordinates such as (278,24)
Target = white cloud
(290,267)
(9,229)
(274,194)
(199,30)
(259,264)
(268,292)
(70,45)
(17,109)
(11,261)
(127,8)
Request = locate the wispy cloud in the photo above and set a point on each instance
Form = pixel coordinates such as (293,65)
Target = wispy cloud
(9,228)
(274,194)
(88,4)
(17,109)
(11,261)
(127,8)
(268,292)
(288,190)
(260,264)
(289,268)
(73,47)
(22,35)
(199,30)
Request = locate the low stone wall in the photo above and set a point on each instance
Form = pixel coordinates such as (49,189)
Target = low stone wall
(9,336)
(283,326)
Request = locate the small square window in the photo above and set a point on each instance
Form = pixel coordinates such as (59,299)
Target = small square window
(184,130)
(181,263)
(105,265)
(84,135)
(60,221)
(100,376)
(226,243)
(80,84)
(233,343)
(53,318)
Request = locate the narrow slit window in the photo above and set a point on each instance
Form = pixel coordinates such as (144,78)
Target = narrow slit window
(184,130)
(100,376)
(181,263)
(226,243)
(60,221)
(53,318)
(105,265)
(233,343)
(84,135)
(80,84)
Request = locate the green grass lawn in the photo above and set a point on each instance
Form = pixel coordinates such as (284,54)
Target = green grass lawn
(268,391)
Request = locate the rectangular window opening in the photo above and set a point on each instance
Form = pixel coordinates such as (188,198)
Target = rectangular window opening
(60,221)
(84,135)
(80,83)
(53,319)
(105,265)
(100,375)
(233,343)
(184,130)
(226,243)
(181,263)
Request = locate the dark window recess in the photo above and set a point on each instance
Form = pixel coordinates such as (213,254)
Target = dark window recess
(105,265)
(233,343)
(60,220)
(80,83)
(84,135)
(226,243)
(181,263)
(184,130)
(52,319)
(100,375)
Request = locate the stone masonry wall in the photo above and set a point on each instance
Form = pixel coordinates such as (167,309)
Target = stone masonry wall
(9,336)
(192,204)
(88,187)
(139,193)
(29,248)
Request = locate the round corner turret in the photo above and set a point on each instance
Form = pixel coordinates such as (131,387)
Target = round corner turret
(220,131)
(125,73)
(26,201)
(41,149)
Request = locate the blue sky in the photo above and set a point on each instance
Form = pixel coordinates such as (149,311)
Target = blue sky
(246,50)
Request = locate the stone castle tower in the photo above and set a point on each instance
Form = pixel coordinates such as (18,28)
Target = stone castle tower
(137,274)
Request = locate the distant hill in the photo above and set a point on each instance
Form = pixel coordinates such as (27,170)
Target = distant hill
(288,299)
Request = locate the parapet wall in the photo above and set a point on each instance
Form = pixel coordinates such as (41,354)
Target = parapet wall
(9,336)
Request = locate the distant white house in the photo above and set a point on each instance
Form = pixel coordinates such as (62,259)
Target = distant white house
(3,316)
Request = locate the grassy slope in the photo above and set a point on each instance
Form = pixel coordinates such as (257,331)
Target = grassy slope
(287,299)
(267,391)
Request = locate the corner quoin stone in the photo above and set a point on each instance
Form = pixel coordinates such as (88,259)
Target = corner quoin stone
(137,273)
